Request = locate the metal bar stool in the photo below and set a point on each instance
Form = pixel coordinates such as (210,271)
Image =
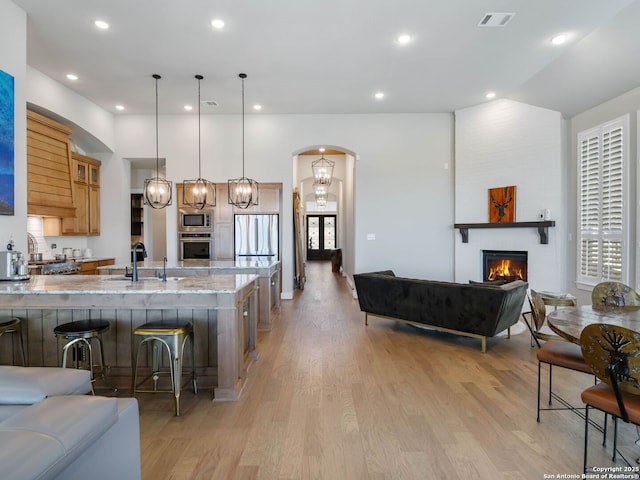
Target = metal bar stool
(15,327)
(173,335)
(80,334)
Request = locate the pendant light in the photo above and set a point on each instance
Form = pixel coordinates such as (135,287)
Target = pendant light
(243,191)
(322,170)
(199,193)
(157,191)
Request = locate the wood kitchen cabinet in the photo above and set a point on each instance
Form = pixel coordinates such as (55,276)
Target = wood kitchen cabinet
(223,224)
(91,267)
(269,195)
(86,187)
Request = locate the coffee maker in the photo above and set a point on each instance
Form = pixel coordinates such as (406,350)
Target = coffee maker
(13,266)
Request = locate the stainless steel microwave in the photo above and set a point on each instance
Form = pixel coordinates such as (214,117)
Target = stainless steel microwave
(195,220)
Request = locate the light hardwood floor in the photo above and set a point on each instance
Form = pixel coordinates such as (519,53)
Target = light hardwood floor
(332,399)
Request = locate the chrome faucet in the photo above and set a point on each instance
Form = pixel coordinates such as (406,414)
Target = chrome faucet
(134,259)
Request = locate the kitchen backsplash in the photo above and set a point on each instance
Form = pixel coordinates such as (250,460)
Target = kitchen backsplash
(45,244)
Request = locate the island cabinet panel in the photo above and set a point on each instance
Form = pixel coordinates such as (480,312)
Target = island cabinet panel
(44,349)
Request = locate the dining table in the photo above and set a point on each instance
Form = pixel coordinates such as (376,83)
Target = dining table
(569,322)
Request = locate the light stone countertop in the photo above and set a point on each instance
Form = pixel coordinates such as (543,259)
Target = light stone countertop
(115,284)
(89,259)
(244,262)
(69,259)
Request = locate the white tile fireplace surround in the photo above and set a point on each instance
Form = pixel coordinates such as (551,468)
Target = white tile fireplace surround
(544,262)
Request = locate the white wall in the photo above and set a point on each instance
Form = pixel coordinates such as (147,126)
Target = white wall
(13,57)
(92,126)
(505,143)
(348,219)
(400,174)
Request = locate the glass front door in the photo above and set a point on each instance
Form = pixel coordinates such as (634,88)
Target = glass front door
(321,236)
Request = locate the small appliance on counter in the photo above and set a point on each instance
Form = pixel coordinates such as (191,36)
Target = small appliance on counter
(13,266)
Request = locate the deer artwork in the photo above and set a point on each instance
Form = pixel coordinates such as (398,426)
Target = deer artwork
(501,206)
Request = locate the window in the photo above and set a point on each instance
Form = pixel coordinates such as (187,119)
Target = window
(602,206)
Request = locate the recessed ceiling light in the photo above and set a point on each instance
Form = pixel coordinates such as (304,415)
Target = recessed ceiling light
(490,95)
(119,107)
(188,108)
(379,95)
(101,24)
(217,23)
(257,107)
(404,38)
(72,76)
(560,39)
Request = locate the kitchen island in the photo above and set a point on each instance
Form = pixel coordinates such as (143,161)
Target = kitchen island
(222,308)
(266,268)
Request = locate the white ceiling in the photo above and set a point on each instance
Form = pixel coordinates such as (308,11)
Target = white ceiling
(330,56)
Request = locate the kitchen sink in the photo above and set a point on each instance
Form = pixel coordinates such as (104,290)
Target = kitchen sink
(142,279)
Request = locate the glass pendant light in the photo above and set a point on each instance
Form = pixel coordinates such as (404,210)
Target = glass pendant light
(157,191)
(199,193)
(243,191)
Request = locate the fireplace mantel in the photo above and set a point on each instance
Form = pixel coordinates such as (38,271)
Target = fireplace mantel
(543,228)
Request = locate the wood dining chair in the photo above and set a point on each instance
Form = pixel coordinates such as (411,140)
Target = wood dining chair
(555,352)
(613,354)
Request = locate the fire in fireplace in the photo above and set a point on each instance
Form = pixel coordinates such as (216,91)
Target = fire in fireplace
(504,266)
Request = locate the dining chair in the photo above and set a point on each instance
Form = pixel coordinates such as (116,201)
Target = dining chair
(613,354)
(614,294)
(555,352)
(536,322)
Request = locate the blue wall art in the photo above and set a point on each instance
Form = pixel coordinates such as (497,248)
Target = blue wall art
(6,144)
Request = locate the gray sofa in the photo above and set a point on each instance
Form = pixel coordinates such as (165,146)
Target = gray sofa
(474,310)
(50,430)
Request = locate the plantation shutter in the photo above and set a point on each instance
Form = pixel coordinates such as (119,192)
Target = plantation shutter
(602,208)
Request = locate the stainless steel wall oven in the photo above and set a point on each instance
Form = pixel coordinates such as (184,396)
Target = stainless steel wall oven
(195,234)
(195,246)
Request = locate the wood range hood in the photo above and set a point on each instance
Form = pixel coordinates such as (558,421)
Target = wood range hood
(49,165)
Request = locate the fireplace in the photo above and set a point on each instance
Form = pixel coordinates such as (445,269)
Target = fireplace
(504,266)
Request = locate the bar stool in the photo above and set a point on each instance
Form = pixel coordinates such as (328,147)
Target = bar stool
(15,327)
(173,335)
(81,333)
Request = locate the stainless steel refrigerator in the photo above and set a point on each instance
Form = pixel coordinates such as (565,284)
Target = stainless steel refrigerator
(256,236)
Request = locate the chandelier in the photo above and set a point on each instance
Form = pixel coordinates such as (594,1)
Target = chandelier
(157,190)
(322,170)
(199,193)
(243,191)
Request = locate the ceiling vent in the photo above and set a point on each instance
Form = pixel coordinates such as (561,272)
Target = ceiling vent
(495,19)
(209,103)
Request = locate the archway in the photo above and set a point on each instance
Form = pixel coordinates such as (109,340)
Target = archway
(340,202)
